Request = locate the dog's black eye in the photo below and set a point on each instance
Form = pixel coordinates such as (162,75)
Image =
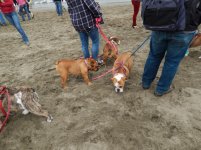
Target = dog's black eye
(120,86)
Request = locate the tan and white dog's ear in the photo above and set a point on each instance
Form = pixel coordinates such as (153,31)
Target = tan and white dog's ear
(123,78)
(113,79)
(196,40)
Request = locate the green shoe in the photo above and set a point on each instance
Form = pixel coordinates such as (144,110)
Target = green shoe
(187,53)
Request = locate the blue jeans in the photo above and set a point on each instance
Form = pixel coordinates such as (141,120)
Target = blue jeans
(59,8)
(22,9)
(2,20)
(172,46)
(84,37)
(14,20)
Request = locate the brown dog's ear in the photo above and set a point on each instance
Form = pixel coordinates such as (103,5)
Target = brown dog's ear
(89,60)
(92,63)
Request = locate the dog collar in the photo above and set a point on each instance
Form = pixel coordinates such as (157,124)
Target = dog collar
(121,65)
(85,61)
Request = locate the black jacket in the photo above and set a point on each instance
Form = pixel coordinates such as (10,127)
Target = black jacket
(193,15)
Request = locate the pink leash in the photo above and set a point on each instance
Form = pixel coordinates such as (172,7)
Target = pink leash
(104,36)
(102,75)
(4,91)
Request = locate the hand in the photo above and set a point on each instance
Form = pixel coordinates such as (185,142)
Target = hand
(99,20)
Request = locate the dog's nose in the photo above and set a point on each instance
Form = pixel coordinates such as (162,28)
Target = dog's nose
(118,90)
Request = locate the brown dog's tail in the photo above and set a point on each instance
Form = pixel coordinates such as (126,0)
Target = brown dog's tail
(56,64)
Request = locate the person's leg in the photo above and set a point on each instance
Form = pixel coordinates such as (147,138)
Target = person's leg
(28,7)
(9,18)
(22,12)
(85,43)
(2,20)
(19,28)
(94,35)
(27,11)
(158,46)
(57,7)
(177,47)
(60,8)
(136,6)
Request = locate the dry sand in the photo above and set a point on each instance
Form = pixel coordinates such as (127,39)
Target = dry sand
(95,117)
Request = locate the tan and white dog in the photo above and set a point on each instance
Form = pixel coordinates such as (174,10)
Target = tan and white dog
(26,99)
(121,70)
(111,51)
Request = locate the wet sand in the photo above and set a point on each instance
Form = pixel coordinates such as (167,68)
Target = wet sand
(95,117)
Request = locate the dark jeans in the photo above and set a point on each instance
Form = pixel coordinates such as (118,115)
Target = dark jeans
(14,20)
(172,46)
(25,9)
(59,8)
(84,37)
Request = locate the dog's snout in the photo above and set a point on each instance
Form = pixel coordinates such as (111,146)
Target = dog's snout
(118,90)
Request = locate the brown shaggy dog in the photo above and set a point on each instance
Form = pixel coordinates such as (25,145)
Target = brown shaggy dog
(76,67)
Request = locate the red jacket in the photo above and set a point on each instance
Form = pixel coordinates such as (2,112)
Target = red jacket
(7,6)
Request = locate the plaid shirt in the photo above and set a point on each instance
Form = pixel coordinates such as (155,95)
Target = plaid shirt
(83,13)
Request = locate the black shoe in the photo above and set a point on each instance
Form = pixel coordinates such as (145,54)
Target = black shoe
(161,94)
(100,62)
(145,87)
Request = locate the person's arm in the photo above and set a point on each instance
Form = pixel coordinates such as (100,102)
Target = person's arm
(93,7)
(70,11)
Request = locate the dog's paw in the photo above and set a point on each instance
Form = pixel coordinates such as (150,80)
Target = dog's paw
(25,112)
(89,84)
(64,88)
(49,118)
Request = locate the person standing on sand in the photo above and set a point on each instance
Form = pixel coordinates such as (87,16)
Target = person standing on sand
(83,14)
(58,4)
(171,45)
(2,20)
(23,7)
(136,7)
(8,9)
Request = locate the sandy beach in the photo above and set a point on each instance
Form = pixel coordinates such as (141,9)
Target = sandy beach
(95,117)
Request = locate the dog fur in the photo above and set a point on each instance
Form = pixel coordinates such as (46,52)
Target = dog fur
(76,67)
(121,70)
(109,52)
(26,99)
